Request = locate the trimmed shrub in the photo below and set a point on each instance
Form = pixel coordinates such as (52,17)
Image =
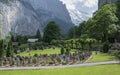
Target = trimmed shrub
(62,50)
(117,54)
(106,47)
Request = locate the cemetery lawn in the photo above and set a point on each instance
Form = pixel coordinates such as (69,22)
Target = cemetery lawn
(46,51)
(101,57)
(113,69)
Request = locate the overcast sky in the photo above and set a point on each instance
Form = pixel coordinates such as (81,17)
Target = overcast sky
(88,6)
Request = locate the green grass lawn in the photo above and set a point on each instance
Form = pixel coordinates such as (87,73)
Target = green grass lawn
(46,51)
(101,57)
(113,69)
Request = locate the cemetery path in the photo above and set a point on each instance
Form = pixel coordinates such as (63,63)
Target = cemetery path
(60,66)
(88,59)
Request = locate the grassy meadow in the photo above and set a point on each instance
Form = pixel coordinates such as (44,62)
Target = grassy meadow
(101,57)
(113,69)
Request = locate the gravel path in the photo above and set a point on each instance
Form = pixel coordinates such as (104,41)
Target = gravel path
(60,66)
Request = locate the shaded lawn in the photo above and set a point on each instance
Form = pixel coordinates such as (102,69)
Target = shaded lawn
(113,69)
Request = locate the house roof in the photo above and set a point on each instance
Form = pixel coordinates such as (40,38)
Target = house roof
(15,43)
(32,40)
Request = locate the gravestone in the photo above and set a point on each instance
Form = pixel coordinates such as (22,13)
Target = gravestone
(68,59)
(41,59)
(17,61)
(59,59)
(12,61)
(1,62)
(4,61)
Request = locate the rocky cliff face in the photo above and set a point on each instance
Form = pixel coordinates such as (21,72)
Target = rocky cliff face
(102,2)
(52,10)
(19,18)
(25,17)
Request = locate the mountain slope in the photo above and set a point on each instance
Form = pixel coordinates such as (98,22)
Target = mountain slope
(52,10)
(25,17)
(78,16)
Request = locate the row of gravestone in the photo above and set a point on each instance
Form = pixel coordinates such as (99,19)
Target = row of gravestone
(53,59)
(116,44)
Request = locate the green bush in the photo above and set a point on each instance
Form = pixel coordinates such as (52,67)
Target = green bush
(117,54)
(105,47)
(22,46)
(67,50)
(35,55)
(62,50)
